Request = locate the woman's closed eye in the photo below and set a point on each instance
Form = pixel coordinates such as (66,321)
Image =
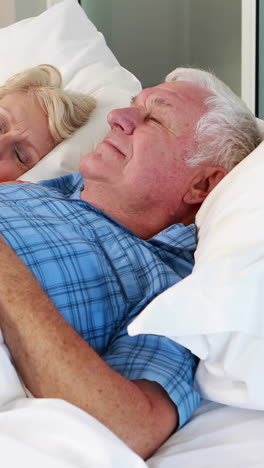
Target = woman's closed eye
(3,126)
(22,157)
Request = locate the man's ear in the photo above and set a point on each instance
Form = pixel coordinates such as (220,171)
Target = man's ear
(203,183)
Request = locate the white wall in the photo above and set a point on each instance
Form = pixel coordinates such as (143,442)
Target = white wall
(148,37)
(28,8)
(7,9)
(52,2)
(16,10)
(215,38)
(151,37)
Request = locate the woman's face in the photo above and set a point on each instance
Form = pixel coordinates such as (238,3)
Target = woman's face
(24,135)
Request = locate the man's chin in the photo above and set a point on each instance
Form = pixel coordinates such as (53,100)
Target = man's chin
(86,160)
(90,155)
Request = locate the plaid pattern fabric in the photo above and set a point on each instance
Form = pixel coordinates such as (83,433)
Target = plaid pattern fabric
(100,275)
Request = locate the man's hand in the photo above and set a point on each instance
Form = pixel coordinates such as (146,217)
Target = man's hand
(55,362)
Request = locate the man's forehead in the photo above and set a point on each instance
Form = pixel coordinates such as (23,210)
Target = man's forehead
(165,93)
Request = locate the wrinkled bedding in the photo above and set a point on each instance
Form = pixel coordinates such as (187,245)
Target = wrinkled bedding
(52,433)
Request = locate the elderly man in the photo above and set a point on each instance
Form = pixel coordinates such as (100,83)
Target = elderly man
(103,244)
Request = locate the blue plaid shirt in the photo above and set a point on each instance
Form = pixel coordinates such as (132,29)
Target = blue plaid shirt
(100,276)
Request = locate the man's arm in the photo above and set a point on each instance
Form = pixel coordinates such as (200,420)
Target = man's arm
(55,362)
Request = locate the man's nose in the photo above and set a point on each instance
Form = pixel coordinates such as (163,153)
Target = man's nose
(126,119)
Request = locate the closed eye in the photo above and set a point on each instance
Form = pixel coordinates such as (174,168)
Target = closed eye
(153,119)
(22,157)
(19,158)
(3,126)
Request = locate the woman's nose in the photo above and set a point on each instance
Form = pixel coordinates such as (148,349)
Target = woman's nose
(126,119)
(6,143)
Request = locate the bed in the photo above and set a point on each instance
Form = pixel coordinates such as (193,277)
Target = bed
(227,330)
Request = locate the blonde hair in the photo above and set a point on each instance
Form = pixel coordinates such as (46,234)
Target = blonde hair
(66,110)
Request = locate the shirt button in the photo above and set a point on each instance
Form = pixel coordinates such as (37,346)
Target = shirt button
(21,203)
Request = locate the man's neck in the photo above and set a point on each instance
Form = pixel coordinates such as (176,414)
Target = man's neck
(144,223)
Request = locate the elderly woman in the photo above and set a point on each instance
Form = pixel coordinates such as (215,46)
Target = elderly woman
(35,115)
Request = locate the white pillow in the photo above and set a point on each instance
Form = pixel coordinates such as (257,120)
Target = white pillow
(218,311)
(63,36)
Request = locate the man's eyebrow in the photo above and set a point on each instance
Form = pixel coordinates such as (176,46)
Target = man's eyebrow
(157,102)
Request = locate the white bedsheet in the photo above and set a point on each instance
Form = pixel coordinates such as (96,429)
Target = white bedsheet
(52,433)
(218,436)
(48,433)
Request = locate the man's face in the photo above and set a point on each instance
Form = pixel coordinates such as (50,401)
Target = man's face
(142,158)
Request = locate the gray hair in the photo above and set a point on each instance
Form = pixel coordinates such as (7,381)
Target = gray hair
(66,110)
(228,131)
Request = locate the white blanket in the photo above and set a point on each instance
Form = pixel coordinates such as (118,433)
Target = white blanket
(49,433)
(217,436)
(52,433)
